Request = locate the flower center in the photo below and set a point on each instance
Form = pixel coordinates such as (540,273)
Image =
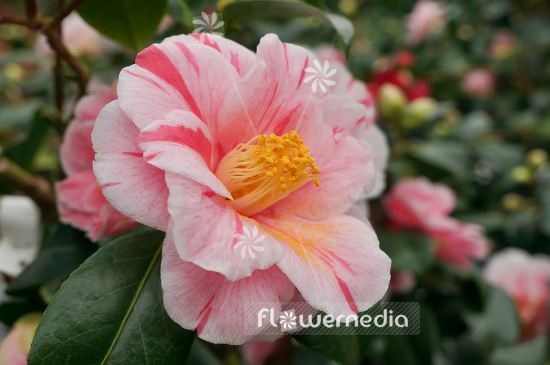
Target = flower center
(265,170)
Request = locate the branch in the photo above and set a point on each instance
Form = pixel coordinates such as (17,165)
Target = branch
(7,20)
(82,74)
(36,187)
(31,10)
(63,13)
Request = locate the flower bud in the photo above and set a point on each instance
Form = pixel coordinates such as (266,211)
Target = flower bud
(418,112)
(512,202)
(391,101)
(522,175)
(536,158)
(16,346)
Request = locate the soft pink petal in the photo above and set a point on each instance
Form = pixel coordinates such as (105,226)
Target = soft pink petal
(342,183)
(181,143)
(76,153)
(377,142)
(12,351)
(81,204)
(207,232)
(458,243)
(264,100)
(336,264)
(412,202)
(134,187)
(240,57)
(168,76)
(206,301)
(89,106)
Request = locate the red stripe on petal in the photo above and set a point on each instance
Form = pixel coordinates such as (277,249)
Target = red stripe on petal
(156,61)
(109,184)
(189,56)
(303,73)
(135,154)
(203,321)
(347,294)
(189,137)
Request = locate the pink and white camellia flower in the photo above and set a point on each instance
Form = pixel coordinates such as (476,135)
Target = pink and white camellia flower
(526,279)
(418,203)
(207,139)
(80,201)
(426,17)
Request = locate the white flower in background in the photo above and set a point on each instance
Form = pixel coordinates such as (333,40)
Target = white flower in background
(320,76)
(20,227)
(249,242)
(287,320)
(208,24)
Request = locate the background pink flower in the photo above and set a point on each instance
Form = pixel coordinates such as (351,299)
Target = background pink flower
(427,16)
(479,83)
(80,201)
(418,203)
(526,279)
(17,344)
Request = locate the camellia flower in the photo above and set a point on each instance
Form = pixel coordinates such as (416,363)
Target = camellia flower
(418,203)
(207,139)
(426,17)
(80,201)
(525,278)
(17,344)
(504,45)
(479,83)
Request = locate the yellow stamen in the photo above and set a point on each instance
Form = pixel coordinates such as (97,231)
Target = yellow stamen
(265,170)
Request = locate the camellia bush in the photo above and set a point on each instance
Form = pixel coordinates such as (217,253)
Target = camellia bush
(274,182)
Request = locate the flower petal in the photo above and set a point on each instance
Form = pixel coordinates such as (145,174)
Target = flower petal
(181,143)
(240,57)
(176,75)
(207,231)
(206,301)
(76,153)
(134,187)
(271,91)
(336,264)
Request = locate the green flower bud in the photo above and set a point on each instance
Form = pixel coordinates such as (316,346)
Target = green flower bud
(391,101)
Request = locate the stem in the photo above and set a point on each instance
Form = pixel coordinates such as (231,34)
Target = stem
(36,187)
(58,69)
(31,10)
(8,20)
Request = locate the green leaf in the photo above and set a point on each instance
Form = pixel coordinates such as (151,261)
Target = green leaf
(131,23)
(24,152)
(447,156)
(499,320)
(253,10)
(67,249)
(408,251)
(342,349)
(110,310)
(528,353)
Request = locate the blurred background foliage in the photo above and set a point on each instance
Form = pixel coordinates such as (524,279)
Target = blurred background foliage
(490,145)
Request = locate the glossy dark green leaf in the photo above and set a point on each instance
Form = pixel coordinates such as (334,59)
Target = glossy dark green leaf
(133,24)
(253,10)
(342,349)
(408,251)
(25,151)
(450,157)
(110,310)
(499,321)
(528,353)
(60,256)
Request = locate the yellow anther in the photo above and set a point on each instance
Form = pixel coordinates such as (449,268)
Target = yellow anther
(257,174)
